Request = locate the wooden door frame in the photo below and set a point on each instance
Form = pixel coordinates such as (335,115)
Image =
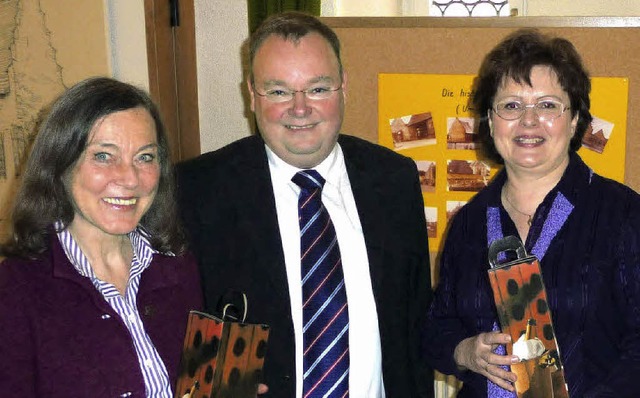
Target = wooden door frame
(173,82)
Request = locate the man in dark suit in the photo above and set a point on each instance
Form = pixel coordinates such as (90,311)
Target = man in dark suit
(240,209)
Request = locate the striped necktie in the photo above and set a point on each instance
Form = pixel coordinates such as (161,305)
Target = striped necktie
(324,309)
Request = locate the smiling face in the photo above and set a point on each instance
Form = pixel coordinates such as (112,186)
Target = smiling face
(528,144)
(115,179)
(301,132)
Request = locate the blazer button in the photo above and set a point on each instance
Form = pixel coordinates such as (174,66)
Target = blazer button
(287,377)
(126,394)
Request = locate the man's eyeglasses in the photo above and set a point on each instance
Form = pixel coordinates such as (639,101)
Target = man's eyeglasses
(546,110)
(315,93)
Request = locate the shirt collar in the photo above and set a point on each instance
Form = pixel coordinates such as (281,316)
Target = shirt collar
(142,250)
(330,168)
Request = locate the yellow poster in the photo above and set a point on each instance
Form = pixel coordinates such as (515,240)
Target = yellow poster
(427,118)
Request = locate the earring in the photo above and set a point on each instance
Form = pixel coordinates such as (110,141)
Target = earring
(490,125)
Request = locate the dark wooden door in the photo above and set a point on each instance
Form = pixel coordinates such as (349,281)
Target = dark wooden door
(173,83)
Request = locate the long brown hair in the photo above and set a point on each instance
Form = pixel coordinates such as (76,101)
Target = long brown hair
(43,199)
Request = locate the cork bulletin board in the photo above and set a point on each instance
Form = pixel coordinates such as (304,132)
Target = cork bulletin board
(610,47)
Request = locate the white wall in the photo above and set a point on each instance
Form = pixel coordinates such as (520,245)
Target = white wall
(579,8)
(125,22)
(378,8)
(526,7)
(221,28)
(349,8)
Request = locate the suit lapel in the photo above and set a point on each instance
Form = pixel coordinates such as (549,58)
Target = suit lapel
(259,219)
(369,201)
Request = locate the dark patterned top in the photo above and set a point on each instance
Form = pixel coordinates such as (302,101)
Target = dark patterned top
(591,271)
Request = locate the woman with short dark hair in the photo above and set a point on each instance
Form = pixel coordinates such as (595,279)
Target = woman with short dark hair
(532,101)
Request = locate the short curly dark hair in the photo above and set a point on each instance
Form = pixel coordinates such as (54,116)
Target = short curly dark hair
(43,199)
(513,58)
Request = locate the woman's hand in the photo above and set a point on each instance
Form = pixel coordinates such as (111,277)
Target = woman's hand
(477,355)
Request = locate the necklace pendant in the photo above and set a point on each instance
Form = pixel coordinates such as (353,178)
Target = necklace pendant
(530,220)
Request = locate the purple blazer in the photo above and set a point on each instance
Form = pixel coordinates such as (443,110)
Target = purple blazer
(60,338)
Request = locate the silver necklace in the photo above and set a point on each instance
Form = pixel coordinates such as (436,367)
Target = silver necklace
(529,216)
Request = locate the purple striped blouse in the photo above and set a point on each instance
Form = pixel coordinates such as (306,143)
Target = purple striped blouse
(154,372)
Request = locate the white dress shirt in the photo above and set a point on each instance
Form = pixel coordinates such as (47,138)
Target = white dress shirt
(365,369)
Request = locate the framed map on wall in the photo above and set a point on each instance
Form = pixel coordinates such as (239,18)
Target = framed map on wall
(45,47)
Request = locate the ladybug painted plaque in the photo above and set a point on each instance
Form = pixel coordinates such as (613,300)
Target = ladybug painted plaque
(221,359)
(523,311)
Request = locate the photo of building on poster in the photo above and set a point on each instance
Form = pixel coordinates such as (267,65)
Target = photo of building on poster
(412,131)
(431,214)
(429,119)
(461,133)
(427,175)
(597,135)
(453,206)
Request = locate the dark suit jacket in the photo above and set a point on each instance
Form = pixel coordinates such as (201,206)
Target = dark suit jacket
(228,207)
